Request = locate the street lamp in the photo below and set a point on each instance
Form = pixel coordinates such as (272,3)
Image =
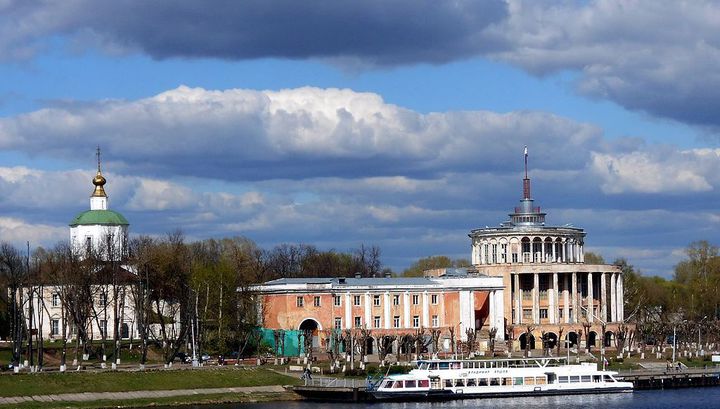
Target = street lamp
(675,339)
(699,343)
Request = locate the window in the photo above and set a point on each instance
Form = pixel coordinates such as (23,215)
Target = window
(88,243)
(435,321)
(560,313)
(299,301)
(396,299)
(358,322)
(356,300)
(543,313)
(416,321)
(316,301)
(416,299)
(376,300)
(336,300)
(55,327)
(376,321)
(527,314)
(434,299)
(56,300)
(338,323)
(103,328)
(396,321)
(103,299)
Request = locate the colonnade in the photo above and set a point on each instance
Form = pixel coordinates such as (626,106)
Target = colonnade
(568,305)
(527,250)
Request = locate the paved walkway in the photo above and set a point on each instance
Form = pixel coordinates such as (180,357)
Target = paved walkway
(99,396)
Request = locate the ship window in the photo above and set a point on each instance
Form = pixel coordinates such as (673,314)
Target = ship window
(433,366)
(540,380)
(482,382)
(448,383)
(456,365)
(444,365)
(608,378)
(586,378)
(507,381)
(410,384)
(529,380)
(471,382)
(596,378)
(563,379)
(423,383)
(387,384)
(518,381)
(574,379)
(397,384)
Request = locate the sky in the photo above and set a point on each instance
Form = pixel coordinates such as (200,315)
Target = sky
(338,123)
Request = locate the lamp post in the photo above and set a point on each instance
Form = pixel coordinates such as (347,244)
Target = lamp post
(675,339)
(699,349)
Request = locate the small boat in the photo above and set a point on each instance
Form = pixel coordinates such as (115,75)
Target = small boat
(462,379)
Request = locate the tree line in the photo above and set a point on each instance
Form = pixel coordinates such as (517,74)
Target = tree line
(184,295)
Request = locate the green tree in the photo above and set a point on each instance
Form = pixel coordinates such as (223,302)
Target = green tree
(433,262)
(593,258)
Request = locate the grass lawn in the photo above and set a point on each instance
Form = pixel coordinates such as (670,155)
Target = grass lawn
(71,382)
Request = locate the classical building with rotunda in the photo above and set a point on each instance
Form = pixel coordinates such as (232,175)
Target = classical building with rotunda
(549,287)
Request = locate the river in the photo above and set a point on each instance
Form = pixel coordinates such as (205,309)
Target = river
(689,398)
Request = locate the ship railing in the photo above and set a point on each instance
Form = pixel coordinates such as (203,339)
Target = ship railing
(323,382)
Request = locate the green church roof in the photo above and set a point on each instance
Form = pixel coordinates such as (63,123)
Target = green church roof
(107,217)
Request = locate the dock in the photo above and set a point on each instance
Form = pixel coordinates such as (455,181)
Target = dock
(672,378)
(333,389)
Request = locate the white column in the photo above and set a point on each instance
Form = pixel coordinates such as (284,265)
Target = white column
(542,250)
(554,299)
(471,310)
(621,298)
(348,311)
(492,308)
(368,311)
(590,298)
(499,321)
(406,310)
(603,297)
(554,251)
(425,309)
(566,298)
(562,247)
(517,300)
(464,313)
(581,253)
(536,298)
(482,253)
(613,298)
(573,296)
(386,310)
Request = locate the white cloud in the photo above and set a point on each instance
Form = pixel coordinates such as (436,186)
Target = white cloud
(648,172)
(19,231)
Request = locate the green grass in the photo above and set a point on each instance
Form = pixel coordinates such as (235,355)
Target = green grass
(72,382)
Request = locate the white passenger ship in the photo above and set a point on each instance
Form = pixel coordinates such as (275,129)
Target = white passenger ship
(457,379)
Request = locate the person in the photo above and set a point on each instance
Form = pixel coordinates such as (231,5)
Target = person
(307,374)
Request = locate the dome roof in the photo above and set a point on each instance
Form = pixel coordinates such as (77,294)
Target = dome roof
(104,217)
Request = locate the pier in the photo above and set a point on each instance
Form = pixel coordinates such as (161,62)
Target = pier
(672,378)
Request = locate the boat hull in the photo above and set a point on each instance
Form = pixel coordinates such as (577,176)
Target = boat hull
(450,395)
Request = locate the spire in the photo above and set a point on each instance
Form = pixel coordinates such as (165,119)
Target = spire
(99,181)
(526,181)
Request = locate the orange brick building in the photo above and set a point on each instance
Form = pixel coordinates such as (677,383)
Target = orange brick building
(390,305)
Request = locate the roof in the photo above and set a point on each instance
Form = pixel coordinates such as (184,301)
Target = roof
(105,217)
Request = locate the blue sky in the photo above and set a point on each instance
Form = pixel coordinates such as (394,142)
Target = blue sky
(338,123)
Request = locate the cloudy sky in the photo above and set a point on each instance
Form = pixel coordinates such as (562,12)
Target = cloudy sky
(336,123)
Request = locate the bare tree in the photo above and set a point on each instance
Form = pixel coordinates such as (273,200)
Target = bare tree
(471,340)
(435,339)
(13,269)
(559,343)
(491,342)
(528,337)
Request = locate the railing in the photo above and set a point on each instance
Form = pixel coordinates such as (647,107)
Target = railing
(336,382)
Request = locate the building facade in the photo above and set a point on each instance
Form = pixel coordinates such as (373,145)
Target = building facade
(387,305)
(550,288)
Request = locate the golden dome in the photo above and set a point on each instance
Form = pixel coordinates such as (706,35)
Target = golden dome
(99,181)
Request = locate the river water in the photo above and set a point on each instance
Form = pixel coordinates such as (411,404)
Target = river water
(690,398)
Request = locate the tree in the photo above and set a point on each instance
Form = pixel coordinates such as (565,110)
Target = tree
(593,258)
(14,272)
(430,263)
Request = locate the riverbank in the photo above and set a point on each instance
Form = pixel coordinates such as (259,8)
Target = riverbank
(152,388)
